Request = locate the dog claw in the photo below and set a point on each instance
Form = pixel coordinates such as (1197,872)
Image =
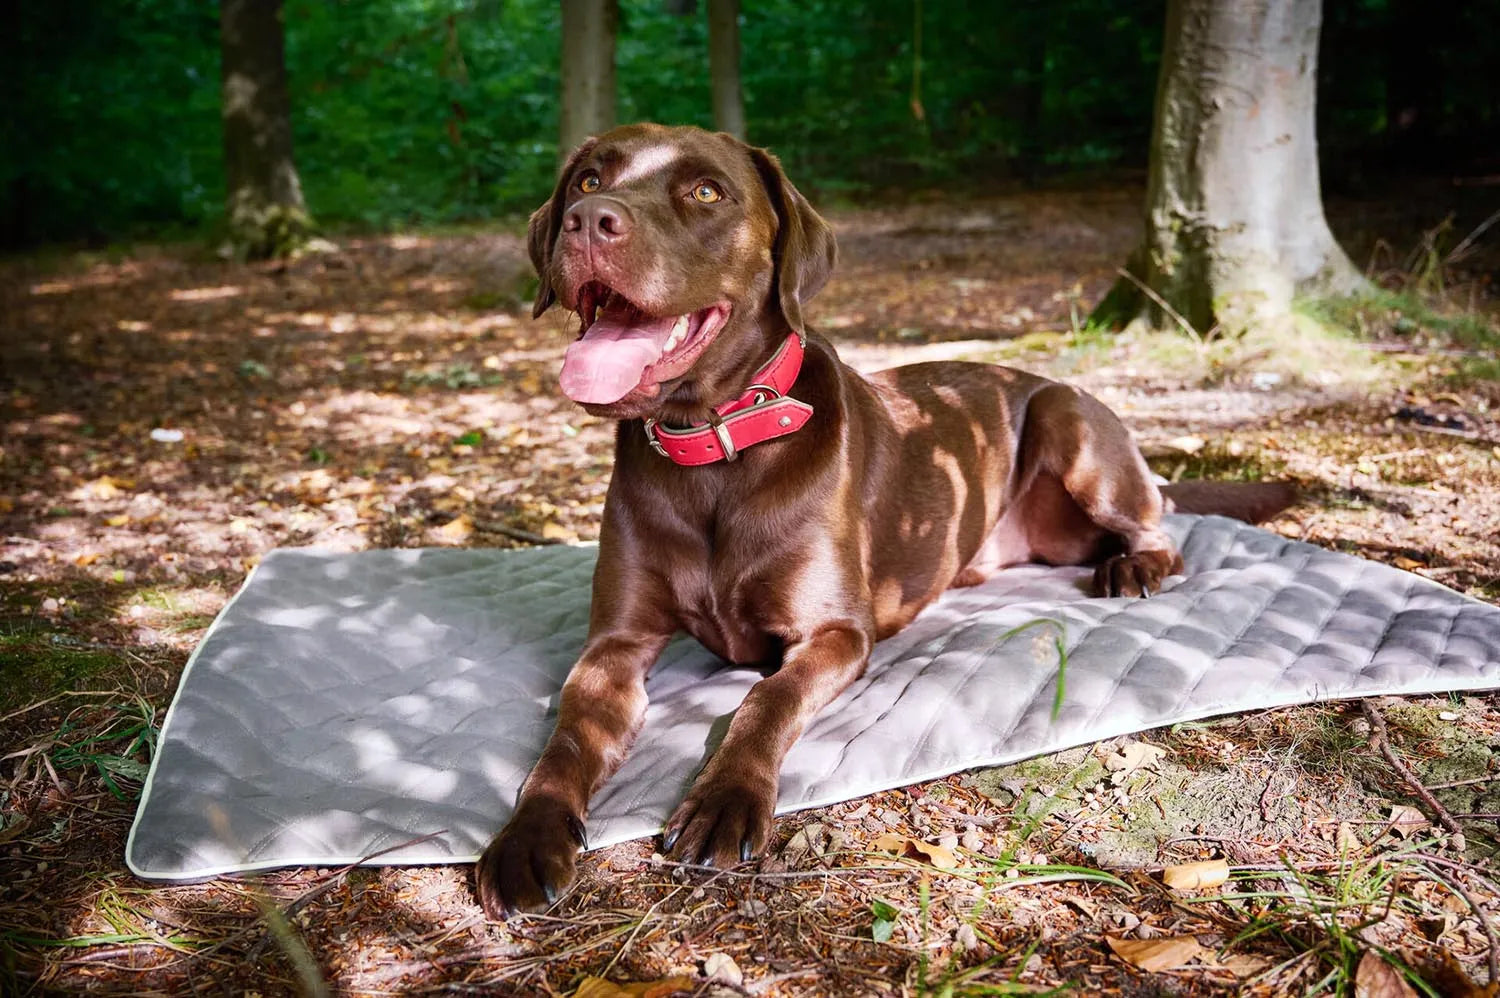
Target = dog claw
(578,831)
(745,851)
(670,839)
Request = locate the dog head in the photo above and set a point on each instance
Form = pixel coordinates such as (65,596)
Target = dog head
(687,256)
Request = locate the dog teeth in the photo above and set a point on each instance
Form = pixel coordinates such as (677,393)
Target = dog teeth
(679,333)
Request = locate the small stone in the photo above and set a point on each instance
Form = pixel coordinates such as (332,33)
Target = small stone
(972,840)
(966,938)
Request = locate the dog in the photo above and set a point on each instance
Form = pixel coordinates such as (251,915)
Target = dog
(781,508)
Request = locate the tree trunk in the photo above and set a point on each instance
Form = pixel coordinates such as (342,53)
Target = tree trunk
(267,216)
(588,70)
(1234,212)
(724,66)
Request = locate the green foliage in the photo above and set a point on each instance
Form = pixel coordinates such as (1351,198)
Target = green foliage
(886,915)
(433,111)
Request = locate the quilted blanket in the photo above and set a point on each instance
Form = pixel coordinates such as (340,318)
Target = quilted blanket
(344,705)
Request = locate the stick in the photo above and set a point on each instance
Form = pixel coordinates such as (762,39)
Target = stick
(1381,741)
(1187,327)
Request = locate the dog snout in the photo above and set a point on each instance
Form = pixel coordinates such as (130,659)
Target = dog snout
(602,219)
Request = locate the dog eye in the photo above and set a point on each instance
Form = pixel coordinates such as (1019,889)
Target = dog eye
(707,193)
(589,183)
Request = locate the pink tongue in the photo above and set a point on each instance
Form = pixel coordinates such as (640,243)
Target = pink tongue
(611,358)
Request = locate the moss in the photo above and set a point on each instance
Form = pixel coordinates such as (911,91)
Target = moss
(37,662)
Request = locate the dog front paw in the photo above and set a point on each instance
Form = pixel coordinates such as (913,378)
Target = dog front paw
(1139,574)
(531,861)
(724,820)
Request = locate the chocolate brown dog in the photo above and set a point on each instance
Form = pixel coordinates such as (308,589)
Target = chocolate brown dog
(767,499)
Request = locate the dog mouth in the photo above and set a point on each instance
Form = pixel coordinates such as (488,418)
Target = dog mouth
(622,348)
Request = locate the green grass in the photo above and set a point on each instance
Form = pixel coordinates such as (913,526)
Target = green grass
(118,749)
(1405,314)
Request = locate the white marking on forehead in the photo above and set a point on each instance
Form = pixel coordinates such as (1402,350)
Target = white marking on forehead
(646,162)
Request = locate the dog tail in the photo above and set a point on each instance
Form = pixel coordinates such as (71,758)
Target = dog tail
(1253,502)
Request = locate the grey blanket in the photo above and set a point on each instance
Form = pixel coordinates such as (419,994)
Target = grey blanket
(345,704)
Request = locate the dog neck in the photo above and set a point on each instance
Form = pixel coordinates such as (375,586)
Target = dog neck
(759,413)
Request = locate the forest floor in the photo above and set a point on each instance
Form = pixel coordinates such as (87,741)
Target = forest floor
(169,418)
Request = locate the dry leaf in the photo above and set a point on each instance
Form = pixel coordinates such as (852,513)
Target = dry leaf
(1347,839)
(1452,981)
(1407,564)
(902,845)
(722,968)
(1152,955)
(598,987)
(1196,876)
(86,558)
(1132,756)
(457,530)
(1407,821)
(805,841)
(558,532)
(1243,965)
(1377,979)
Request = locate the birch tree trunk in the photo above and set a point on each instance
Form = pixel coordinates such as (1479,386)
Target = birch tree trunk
(724,66)
(267,216)
(588,70)
(1234,210)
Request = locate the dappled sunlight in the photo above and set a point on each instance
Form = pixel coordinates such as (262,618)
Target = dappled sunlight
(206,294)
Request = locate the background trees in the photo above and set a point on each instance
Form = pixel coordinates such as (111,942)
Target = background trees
(588,70)
(1234,208)
(266,213)
(436,110)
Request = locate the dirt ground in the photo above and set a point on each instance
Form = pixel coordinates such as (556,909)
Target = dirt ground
(168,418)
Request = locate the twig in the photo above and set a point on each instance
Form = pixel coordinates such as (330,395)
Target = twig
(1380,739)
(1187,327)
(491,527)
(1484,921)
(1465,783)
(1456,254)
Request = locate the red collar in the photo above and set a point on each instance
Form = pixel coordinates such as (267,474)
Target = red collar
(762,412)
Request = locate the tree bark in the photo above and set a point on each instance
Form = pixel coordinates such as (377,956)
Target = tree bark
(724,66)
(588,70)
(267,216)
(1234,211)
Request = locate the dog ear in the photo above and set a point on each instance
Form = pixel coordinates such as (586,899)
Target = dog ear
(805,250)
(546,223)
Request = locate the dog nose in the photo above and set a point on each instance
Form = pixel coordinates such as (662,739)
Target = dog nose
(599,218)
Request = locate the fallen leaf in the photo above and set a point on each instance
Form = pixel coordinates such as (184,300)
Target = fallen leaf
(1452,981)
(86,558)
(1132,756)
(1152,955)
(598,987)
(457,530)
(1243,965)
(1196,876)
(722,968)
(1406,821)
(1407,564)
(902,845)
(805,841)
(558,532)
(1377,979)
(1347,839)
